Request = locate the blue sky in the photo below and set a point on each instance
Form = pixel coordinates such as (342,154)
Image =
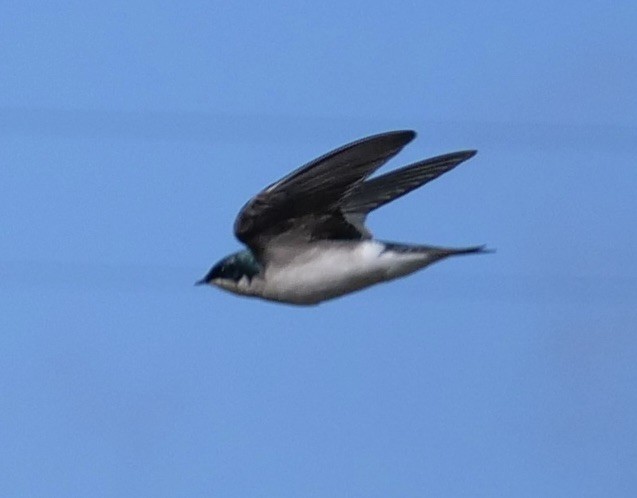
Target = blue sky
(130,135)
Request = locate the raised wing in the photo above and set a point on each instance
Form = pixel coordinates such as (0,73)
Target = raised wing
(374,193)
(308,199)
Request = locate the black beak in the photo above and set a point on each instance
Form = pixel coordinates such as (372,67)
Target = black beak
(201,282)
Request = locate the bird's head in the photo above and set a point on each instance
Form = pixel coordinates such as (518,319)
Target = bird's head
(233,272)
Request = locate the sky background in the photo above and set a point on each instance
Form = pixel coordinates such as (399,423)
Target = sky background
(132,133)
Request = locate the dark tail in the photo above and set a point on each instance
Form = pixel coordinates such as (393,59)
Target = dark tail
(434,252)
(466,250)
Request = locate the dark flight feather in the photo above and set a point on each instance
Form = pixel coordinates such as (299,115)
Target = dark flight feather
(313,192)
(377,192)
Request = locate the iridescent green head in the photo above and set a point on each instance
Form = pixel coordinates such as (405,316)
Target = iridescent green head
(232,268)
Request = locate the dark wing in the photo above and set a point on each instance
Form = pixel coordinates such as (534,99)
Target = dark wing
(372,194)
(308,199)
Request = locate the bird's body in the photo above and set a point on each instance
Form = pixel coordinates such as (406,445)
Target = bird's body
(306,234)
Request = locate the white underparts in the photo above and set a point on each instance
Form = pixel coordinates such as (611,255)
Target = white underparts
(320,273)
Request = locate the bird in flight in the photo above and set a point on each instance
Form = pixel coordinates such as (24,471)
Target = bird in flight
(306,235)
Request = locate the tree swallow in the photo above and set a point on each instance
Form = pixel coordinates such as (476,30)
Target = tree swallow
(306,235)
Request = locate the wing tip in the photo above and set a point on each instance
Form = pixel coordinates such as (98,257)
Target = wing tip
(407,135)
(457,157)
(467,154)
(403,137)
